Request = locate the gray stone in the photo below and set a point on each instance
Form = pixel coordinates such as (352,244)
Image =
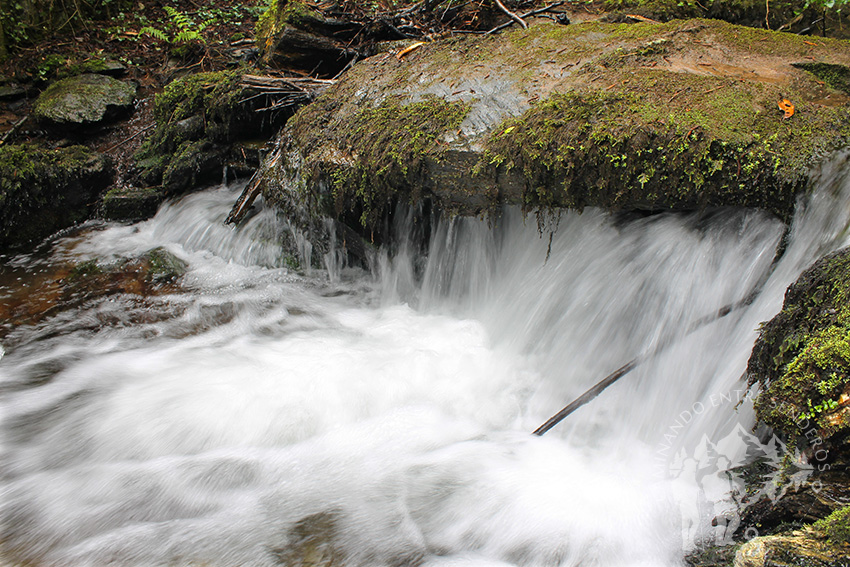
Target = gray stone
(84,99)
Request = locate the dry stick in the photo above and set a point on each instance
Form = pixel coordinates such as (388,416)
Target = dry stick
(526,15)
(511,15)
(586,397)
(630,365)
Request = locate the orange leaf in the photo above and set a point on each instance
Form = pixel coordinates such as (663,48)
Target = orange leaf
(786,107)
(400,55)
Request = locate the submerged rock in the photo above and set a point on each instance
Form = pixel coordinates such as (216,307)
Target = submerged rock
(645,116)
(83,100)
(44,190)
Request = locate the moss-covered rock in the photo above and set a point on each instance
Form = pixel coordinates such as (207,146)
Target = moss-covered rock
(83,100)
(131,204)
(44,190)
(682,115)
(795,16)
(198,119)
(162,267)
(801,360)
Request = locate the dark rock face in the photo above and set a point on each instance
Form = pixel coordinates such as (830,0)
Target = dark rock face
(84,100)
(43,191)
(200,121)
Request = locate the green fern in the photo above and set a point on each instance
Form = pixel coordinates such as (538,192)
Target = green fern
(187,30)
(154,33)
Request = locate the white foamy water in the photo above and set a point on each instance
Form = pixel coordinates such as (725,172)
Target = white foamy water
(387,416)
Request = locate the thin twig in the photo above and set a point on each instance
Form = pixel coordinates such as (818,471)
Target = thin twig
(12,130)
(122,142)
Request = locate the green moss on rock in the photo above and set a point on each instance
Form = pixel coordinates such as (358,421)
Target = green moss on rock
(202,113)
(835,76)
(622,116)
(131,204)
(392,142)
(836,526)
(44,190)
(795,16)
(801,360)
(163,266)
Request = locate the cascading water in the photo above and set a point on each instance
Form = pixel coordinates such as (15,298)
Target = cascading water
(260,417)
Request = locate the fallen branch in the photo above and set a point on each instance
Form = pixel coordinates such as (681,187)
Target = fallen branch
(251,191)
(125,140)
(511,15)
(287,91)
(526,15)
(632,364)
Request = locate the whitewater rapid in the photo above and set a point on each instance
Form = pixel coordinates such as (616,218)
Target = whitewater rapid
(261,416)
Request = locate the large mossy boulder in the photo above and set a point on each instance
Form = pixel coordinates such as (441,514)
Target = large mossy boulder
(795,549)
(84,100)
(682,115)
(801,360)
(45,190)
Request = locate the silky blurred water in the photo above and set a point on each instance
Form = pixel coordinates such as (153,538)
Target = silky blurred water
(383,416)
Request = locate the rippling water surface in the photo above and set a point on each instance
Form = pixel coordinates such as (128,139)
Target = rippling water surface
(252,415)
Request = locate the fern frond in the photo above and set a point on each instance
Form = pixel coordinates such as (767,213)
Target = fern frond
(154,33)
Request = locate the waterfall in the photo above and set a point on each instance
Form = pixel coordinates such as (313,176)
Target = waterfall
(261,415)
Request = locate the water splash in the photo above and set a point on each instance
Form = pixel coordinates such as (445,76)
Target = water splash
(386,419)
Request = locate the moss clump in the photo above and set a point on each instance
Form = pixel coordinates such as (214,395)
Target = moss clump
(44,190)
(624,149)
(796,16)
(835,76)
(836,526)
(84,269)
(392,142)
(802,357)
(201,106)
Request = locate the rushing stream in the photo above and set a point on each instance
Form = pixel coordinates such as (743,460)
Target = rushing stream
(256,416)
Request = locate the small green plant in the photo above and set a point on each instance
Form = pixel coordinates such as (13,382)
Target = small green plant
(185,29)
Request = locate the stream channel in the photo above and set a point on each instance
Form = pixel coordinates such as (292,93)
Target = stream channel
(256,415)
